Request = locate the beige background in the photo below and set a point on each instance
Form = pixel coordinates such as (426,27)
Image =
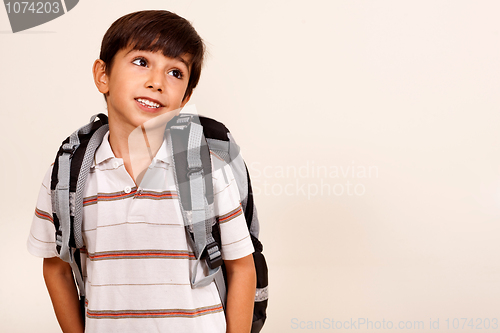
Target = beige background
(403,93)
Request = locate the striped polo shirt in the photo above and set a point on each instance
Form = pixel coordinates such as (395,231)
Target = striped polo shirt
(137,261)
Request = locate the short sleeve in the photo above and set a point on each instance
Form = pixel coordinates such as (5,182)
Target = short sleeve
(41,240)
(235,238)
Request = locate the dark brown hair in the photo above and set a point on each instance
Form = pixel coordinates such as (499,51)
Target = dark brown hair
(155,30)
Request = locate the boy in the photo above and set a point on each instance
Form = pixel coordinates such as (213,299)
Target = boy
(138,262)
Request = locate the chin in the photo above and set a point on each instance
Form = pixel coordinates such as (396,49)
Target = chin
(156,120)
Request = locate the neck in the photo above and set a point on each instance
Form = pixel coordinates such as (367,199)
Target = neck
(137,147)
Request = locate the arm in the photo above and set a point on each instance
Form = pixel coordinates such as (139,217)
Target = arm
(62,290)
(241,281)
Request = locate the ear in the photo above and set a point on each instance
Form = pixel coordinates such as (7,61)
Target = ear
(100,77)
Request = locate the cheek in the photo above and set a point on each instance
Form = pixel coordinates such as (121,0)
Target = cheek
(120,87)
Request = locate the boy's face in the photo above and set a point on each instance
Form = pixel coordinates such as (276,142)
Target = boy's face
(142,85)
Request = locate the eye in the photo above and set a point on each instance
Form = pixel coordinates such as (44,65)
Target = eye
(140,62)
(176,73)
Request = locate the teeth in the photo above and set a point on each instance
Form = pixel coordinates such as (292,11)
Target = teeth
(148,103)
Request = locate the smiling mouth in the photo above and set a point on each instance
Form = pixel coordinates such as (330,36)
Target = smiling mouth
(149,104)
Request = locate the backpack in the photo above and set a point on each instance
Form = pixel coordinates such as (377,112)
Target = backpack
(192,139)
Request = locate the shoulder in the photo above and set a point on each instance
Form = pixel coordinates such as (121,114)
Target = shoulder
(47,179)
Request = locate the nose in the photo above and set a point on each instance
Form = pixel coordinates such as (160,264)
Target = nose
(156,81)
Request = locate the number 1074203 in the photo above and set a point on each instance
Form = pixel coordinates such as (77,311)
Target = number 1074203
(33,7)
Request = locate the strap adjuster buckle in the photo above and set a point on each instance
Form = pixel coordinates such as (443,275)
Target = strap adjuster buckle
(194,170)
(184,119)
(69,149)
(214,256)
(180,122)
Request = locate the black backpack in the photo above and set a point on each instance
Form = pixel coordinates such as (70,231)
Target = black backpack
(192,139)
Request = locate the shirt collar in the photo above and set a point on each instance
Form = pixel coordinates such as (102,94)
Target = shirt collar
(104,152)
(163,154)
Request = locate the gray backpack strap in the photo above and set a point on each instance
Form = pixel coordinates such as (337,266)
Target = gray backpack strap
(61,195)
(195,175)
(78,276)
(94,143)
(192,169)
(61,199)
(65,204)
(68,181)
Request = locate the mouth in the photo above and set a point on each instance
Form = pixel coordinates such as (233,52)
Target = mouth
(149,103)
